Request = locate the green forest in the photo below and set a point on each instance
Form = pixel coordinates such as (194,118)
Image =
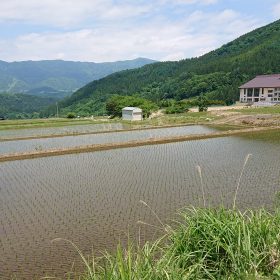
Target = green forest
(22,106)
(215,76)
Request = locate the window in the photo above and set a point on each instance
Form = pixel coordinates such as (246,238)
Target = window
(269,95)
(270,90)
(250,92)
(256,92)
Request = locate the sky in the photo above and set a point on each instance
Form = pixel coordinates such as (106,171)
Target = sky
(111,30)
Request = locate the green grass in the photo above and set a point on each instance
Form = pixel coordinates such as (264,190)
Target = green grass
(187,118)
(259,110)
(206,244)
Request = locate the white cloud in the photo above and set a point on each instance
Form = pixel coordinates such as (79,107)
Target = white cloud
(189,2)
(67,13)
(276,10)
(160,39)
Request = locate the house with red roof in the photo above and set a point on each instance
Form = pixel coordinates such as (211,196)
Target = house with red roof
(262,89)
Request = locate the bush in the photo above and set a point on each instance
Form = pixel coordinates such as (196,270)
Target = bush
(71,115)
(177,108)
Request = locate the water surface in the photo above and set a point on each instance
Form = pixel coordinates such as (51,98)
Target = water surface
(67,129)
(93,199)
(113,137)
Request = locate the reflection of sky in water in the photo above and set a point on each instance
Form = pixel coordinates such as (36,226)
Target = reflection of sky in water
(79,140)
(59,130)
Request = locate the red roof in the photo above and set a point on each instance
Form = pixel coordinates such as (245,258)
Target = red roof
(264,81)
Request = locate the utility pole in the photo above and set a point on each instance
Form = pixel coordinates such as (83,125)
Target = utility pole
(57,110)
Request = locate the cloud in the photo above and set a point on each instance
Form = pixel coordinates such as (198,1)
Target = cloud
(158,38)
(70,13)
(190,2)
(276,10)
(67,13)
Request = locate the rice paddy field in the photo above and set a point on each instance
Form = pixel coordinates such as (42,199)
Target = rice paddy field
(63,130)
(7,147)
(93,199)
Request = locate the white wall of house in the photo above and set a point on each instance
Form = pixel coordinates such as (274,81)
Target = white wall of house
(252,95)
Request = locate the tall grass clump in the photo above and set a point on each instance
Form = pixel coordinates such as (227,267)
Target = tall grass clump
(226,244)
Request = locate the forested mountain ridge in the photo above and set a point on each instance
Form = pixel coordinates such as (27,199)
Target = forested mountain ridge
(217,74)
(18,106)
(57,78)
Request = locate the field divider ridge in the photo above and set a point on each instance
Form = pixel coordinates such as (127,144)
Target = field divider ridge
(129,144)
(92,133)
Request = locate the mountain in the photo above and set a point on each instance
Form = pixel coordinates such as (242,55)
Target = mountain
(57,78)
(22,105)
(217,75)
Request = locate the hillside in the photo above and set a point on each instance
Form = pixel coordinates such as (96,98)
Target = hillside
(57,78)
(14,106)
(217,74)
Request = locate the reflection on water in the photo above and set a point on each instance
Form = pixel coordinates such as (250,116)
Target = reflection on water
(93,199)
(70,129)
(79,140)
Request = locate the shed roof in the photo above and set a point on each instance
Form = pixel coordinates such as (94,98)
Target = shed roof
(264,81)
(134,109)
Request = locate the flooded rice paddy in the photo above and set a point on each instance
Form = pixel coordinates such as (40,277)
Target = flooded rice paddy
(30,145)
(93,199)
(70,129)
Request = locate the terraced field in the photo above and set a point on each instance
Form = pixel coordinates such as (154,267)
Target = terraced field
(52,131)
(93,198)
(30,145)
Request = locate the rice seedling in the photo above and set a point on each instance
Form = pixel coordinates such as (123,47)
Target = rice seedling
(92,198)
(68,141)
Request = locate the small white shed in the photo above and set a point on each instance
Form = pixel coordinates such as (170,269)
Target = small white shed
(132,114)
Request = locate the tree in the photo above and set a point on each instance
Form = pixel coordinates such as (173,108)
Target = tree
(202,103)
(115,104)
(71,115)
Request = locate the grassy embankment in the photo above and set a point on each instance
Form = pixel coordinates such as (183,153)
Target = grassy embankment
(186,118)
(259,110)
